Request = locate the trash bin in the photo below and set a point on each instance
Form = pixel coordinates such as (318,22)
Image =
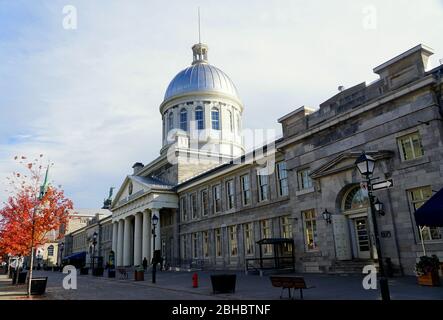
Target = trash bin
(223,283)
(98,272)
(21,277)
(38,285)
(84,271)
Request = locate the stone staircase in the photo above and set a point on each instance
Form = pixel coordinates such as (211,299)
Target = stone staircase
(350,266)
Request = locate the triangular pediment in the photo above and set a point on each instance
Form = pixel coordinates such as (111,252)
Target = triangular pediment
(134,186)
(346,161)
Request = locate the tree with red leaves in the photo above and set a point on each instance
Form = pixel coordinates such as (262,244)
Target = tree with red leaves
(33,209)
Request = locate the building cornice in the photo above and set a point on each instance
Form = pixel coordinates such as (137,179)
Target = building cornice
(426,81)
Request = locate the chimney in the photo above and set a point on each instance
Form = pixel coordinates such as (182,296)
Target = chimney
(137,167)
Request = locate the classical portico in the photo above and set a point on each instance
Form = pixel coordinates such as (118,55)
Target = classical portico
(138,200)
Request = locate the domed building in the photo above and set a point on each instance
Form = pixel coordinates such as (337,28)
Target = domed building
(202,111)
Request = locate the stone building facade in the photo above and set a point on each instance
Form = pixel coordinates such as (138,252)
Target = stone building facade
(213,211)
(396,119)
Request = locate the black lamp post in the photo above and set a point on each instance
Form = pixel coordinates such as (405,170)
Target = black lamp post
(365,165)
(94,243)
(62,247)
(154,259)
(327,216)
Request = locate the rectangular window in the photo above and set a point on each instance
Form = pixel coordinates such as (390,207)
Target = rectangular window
(194,205)
(217,198)
(310,225)
(419,196)
(249,238)
(265,226)
(205,244)
(286,232)
(262,181)
(246,189)
(282,178)
(230,194)
(183,209)
(304,180)
(233,240)
(218,242)
(410,146)
(195,245)
(184,247)
(205,202)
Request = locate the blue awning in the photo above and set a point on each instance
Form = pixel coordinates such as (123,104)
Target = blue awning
(430,214)
(76,256)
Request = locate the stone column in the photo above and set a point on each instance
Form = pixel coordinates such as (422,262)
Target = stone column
(120,231)
(138,239)
(127,243)
(146,250)
(114,236)
(156,241)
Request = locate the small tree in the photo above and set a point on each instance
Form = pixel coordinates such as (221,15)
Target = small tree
(33,209)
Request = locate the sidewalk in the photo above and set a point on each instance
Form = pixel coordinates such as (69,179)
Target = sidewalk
(8,291)
(178,286)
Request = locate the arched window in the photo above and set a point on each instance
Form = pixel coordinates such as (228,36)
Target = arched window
(357,198)
(170,121)
(199,118)
(238,123)
(231,121)
(50,250)
(184,120)
(215,118)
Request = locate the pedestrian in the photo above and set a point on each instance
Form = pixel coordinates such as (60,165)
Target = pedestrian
(145,263)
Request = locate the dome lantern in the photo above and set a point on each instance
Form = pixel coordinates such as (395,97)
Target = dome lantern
(200,53)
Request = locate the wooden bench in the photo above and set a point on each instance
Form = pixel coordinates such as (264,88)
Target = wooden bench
(289,282)
(123,274)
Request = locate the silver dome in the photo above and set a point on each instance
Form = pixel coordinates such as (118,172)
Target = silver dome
(201,77)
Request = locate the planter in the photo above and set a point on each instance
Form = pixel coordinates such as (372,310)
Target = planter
(38,285)
(111,273)
(84,271)
(429,279)
(223,283)
(139,275)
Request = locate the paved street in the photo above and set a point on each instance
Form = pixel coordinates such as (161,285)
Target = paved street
(178,286)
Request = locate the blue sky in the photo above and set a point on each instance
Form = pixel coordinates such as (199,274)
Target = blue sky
(88,98)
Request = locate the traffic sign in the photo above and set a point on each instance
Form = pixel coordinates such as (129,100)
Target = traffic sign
(382,185)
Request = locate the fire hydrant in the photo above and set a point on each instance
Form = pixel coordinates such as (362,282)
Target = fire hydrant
(195,280)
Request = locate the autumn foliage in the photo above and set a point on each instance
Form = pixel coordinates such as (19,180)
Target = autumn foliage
(25,210)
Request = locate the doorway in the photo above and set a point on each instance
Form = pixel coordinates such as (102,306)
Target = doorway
(362,238)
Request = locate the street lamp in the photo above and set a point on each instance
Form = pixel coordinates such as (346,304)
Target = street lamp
(154,259)
(62,247)
(365,164)
(327,216)
(94,243)
(379,207)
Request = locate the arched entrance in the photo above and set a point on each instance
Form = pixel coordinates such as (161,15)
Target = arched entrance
(355,208)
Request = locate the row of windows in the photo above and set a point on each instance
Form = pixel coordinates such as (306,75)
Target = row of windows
(410,147)
(417,198)
(199,119)
(202,249)
(230,193)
